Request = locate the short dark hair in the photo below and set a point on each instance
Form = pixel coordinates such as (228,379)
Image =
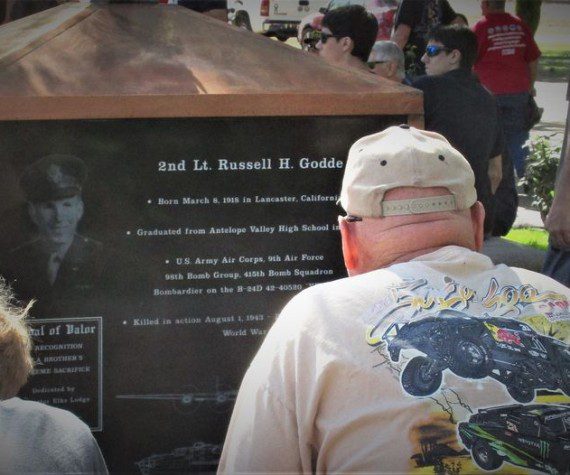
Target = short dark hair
(457,37)
(462,17)
(498,5)
(356,23)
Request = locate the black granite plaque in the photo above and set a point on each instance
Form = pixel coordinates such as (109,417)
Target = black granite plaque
(68,367)
(192,235)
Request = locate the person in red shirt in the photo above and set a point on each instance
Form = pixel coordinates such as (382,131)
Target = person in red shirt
(506,64)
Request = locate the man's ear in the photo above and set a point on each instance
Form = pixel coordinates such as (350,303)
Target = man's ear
(349,248)
(32,213)
(478,220)
(455,57)
(347,44)
(392,69)
(81,208)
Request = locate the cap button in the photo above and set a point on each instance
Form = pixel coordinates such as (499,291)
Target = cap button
(404,126)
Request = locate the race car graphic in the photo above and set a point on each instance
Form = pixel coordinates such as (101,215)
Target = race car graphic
(504,349)
(535,436)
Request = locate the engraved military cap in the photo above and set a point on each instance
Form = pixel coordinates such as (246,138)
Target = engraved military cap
(53,177)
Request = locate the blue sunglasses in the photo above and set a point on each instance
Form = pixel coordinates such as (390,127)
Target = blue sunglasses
(434,50)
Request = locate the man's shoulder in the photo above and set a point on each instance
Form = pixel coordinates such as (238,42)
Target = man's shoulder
(44,417)
(85,248)
(480,25)
(425,82)
(31,246)
(539,280)
(336,300)
(87,242)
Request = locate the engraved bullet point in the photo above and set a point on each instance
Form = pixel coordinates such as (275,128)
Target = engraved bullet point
(128,233)
(167,261)
(149,201)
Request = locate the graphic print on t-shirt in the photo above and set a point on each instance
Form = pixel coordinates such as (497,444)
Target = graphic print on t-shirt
(465,351)
(506,39)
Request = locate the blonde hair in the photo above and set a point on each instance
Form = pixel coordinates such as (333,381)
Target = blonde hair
(15,344)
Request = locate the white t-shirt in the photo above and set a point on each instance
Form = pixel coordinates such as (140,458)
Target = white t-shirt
(36,438)
(432,365)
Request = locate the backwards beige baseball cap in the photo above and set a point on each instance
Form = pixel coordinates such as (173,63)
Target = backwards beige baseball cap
(405,156)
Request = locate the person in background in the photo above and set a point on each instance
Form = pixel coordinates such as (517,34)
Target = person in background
(347,36)
(387,60)
(34,437)
(507,63)
(458,107)
(461,20)
(392,367)
(414,19)
(557,223)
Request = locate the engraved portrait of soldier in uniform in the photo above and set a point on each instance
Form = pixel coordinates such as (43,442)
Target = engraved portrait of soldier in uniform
(58,263)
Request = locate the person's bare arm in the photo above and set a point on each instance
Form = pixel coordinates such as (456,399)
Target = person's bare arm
(401,35)
(495,172)
(557,222)
(533,69)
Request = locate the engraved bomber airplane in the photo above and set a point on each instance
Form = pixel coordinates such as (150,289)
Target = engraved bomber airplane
(217,397)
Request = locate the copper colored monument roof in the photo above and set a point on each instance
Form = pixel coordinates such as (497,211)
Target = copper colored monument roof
(140,60)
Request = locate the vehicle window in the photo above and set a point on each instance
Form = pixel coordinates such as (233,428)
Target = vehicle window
(370,4)
(556,426)
(338,3)
(530,426)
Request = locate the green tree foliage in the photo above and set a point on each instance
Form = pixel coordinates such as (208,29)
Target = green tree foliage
(540,173)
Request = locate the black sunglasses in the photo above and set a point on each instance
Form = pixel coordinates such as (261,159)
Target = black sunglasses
(371,64)
(325,36)
(434,50)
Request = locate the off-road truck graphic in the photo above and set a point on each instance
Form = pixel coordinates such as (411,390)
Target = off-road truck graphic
(535,436)
(507,350)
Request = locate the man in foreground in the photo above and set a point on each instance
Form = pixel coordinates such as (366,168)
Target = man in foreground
(458,107)
(387,60)
(34,437)
(347,36)
(377,372)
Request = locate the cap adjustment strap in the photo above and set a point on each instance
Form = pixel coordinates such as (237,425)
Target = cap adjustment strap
(430,204)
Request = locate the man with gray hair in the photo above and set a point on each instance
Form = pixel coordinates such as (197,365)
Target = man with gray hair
(387,60)
(402,364)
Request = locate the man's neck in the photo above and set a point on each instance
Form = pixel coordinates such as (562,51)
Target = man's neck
(456,68)
(60,248)
(352,62)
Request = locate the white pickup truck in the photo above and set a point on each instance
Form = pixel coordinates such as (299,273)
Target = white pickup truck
(278,18)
